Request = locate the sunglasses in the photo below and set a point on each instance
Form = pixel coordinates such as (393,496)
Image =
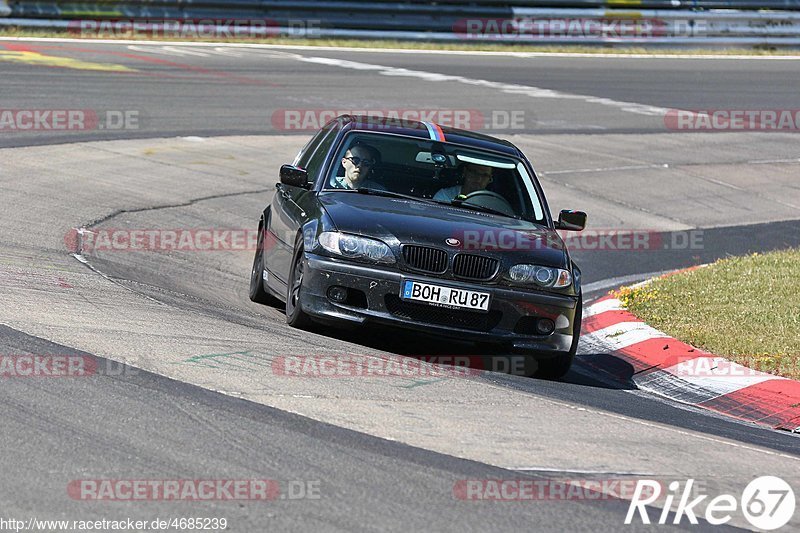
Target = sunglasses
(357,161)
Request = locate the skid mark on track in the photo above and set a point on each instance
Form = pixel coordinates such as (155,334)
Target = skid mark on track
(420,383)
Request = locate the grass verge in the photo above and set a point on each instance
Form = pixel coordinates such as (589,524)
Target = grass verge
(746,309)
(416,45)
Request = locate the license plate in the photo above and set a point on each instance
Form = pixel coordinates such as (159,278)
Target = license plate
(445,296)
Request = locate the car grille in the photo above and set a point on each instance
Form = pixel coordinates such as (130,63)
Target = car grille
(425,259)
(475,267)
(430,314)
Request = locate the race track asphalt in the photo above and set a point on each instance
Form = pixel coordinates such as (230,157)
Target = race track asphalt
(385,453)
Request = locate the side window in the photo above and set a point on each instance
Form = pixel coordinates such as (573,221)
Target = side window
(314,164)
(308,150)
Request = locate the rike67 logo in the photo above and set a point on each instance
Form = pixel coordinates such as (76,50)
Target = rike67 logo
(767,503)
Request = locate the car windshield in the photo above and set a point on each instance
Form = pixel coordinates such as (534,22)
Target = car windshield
(433,171)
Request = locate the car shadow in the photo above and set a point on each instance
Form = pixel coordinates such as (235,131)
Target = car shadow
(589,370)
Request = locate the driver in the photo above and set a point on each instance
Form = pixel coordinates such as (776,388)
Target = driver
(358,162)
(475,178)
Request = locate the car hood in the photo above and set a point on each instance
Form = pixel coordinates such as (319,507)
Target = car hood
(399,221)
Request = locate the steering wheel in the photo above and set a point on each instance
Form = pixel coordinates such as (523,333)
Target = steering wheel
(492,200)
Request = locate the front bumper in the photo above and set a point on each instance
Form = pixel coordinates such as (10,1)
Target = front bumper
(382,304)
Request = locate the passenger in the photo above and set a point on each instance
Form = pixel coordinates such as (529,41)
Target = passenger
(474,178)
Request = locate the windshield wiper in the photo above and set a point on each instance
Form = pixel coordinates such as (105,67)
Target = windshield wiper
(476,207)
(391,194)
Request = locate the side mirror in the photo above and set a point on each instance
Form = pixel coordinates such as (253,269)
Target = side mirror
(294,176)
(571,220)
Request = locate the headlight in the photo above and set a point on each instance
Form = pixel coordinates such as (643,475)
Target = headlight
(542,276)
(355,247)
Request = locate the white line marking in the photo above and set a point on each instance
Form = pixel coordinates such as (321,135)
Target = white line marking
(607,169)
(612,304)
(225,52)
(621,280)
(508,88)
(165,50)
(663,165)
(772,161)
(573,471)
(641,284)
(179,50)
(722,183)
(168,50)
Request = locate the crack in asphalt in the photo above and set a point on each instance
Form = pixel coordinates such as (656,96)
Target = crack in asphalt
(172,206)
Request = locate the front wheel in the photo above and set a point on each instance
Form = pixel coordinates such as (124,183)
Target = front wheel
(558,366)
(295,316)
(258,293)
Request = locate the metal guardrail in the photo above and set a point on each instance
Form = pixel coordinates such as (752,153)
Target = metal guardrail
(512,21)
(648,4)
(155,8)
(640,4)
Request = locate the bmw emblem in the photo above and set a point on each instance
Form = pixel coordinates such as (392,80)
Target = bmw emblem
(453,242)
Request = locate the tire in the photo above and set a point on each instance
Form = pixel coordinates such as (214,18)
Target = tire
(295,316)
(258,293)
(558,366)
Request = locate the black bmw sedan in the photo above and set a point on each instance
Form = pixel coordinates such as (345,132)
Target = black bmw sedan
(418,226)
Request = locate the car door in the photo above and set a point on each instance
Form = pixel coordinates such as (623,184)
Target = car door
(293,206)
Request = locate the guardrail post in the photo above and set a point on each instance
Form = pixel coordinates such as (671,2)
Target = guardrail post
(4,9)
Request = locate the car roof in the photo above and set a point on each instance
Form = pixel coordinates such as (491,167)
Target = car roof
(427,130)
